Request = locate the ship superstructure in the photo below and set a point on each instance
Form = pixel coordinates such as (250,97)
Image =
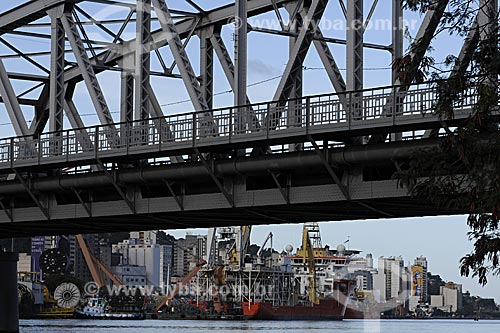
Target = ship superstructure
(327,267)
(312,283)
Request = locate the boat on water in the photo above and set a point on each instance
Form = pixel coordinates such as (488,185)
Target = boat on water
(181,309)
(99,308)
(312,284)
(323,309)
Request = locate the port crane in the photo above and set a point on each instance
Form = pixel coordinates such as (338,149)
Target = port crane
(96,266)
(178,286)
(308,257)
(241,244)
(237,251)
(261,250)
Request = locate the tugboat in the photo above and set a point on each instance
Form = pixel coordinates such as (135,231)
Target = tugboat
(99,308)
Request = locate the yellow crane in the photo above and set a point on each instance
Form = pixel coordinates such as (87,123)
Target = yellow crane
(240,246)
(308,257)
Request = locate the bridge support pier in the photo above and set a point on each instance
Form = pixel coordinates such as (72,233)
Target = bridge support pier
(9,312)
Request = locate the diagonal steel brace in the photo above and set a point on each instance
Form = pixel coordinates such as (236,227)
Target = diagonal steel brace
(285,192)
(212,175)
(35,199)
(178,198)
(117,187)
(86,206)
(335,178)
(7,211)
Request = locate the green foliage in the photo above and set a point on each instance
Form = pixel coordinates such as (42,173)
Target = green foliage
(253,249)
(163,238)
(463,172)
(456,20)
(435,282)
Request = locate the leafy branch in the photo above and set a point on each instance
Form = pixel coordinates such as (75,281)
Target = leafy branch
(463,173)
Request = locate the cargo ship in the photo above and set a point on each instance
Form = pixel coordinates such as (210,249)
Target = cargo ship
(325,309)
(312,284)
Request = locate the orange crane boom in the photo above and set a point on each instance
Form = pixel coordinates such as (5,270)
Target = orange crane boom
(94,265)
(94,270)
(178,286)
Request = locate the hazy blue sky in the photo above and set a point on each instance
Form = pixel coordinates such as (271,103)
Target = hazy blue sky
(443,239)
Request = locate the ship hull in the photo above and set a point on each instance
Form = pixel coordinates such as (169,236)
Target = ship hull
(325,310)
(356,313)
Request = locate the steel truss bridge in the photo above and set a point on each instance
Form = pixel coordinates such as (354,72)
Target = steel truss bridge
(293,159)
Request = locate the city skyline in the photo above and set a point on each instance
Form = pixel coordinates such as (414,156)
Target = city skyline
(442,260)
(152,260)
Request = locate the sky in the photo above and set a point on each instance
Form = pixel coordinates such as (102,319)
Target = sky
(443,240)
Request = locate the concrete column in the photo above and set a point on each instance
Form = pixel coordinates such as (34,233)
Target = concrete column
(9,311)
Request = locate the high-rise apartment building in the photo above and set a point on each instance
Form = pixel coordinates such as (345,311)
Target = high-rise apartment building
(391,278)
(187,252)
(420,281)
(362,269)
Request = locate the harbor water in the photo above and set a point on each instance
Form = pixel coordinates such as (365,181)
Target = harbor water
(348,326)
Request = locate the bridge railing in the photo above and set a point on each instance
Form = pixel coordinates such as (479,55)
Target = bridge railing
(384,106)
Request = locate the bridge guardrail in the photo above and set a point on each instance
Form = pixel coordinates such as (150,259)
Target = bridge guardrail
(372,107)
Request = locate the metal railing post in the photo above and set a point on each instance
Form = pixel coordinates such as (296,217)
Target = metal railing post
(127,137)
(96,141)
(67,145)
(230,127)
(349,110)
(394,106)
(11,153)
(39,153)
(160,134)
(308,111)
(268,119)
(194,129)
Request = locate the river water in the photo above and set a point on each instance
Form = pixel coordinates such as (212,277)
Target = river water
(348,326)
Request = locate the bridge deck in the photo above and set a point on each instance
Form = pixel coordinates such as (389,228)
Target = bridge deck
(334,116)
(334,183)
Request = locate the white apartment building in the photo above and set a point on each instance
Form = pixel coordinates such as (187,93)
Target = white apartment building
(450,298)
(391,279)
(141,250)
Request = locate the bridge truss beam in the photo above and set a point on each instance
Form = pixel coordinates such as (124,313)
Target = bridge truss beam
(181,201)
(201,140)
